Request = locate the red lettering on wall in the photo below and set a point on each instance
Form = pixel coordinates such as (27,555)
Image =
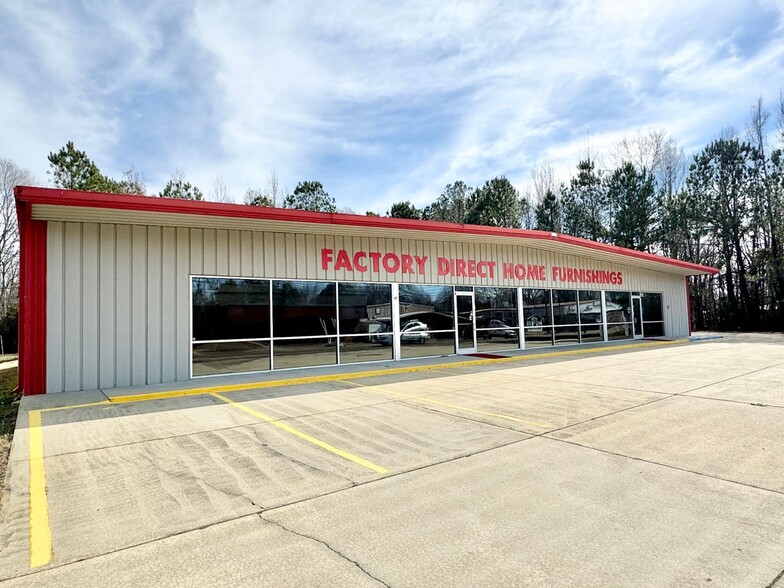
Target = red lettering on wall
(407,264)
(326,257)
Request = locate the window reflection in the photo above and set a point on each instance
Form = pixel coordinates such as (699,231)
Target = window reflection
(359,348)
(619,307)
(230,358)
(364,308)
(226,308)
(565,307)
(652,307)
(291,353)
(590,307)
(301,309)
(495,304)
(432,306)
(536,307)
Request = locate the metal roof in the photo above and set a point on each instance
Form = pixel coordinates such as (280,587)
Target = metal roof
(69,205)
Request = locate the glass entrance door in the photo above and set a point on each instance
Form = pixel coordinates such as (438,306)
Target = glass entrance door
(637,318)
(466,322)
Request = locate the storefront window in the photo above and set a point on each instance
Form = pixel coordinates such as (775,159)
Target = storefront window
(430,305)
(496,319)
(303,309)
(294,353)
(230,357)
(359,348)
(536,308)
(565,307)
(619,315)
(225,308)
(590,304)
(364,308)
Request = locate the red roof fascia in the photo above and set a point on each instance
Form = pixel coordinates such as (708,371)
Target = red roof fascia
(176,206)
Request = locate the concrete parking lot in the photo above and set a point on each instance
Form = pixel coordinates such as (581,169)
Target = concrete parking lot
(658,465)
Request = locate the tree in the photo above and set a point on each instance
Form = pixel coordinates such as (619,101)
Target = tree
(405,210)
(73,170)
(271,195)
(720,180)
(220,191)
(585,205)
(451,205)
(133,183)
(178,187)
(11,175)
(310,195)
(496,204)
(632,200)
(548,213)
(257,197)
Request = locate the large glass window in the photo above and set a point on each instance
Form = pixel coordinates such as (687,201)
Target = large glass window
(427,320)
(536,308)
(294,353)
(231,357)
(364,308)
(537,317)
(618,306)
(590,303)
(364,322)
(496,319)
(565,307)
(303,309)
(227,308)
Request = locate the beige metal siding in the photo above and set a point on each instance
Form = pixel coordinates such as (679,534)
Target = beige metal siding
(118,296)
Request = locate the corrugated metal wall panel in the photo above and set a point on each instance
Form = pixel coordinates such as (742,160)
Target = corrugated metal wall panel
(126,288)
(55,320)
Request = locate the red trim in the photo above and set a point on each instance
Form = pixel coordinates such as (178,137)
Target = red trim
(170,205)
(688,303)
(32,299)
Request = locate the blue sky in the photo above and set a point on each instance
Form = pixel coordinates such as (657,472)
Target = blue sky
(381,102)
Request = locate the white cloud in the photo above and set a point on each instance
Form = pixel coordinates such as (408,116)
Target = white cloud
(381,102)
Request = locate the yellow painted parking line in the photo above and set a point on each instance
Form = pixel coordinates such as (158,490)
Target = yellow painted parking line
(54,408)
(40,533)
(120,399)
(304,436)
(450,405)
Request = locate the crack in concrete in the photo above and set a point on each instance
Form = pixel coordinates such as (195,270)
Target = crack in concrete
(328,546)
(776,580)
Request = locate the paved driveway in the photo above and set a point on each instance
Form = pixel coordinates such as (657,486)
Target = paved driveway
(657,466)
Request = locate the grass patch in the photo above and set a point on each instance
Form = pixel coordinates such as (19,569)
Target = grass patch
(9,402)
(9,406)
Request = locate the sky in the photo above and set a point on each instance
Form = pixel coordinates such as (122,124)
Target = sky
(380,101)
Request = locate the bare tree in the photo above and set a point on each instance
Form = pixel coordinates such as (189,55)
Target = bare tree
(133,182)
(543,177)
(271,195)
(658,153)
(220,192)
(11,175)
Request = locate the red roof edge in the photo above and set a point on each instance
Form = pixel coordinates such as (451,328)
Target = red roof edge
(60,197)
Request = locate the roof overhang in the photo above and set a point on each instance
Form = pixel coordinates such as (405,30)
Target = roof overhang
(67,205)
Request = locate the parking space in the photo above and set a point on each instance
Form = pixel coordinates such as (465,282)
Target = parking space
(655,466)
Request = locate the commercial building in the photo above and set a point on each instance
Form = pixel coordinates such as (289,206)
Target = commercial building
(128,290)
